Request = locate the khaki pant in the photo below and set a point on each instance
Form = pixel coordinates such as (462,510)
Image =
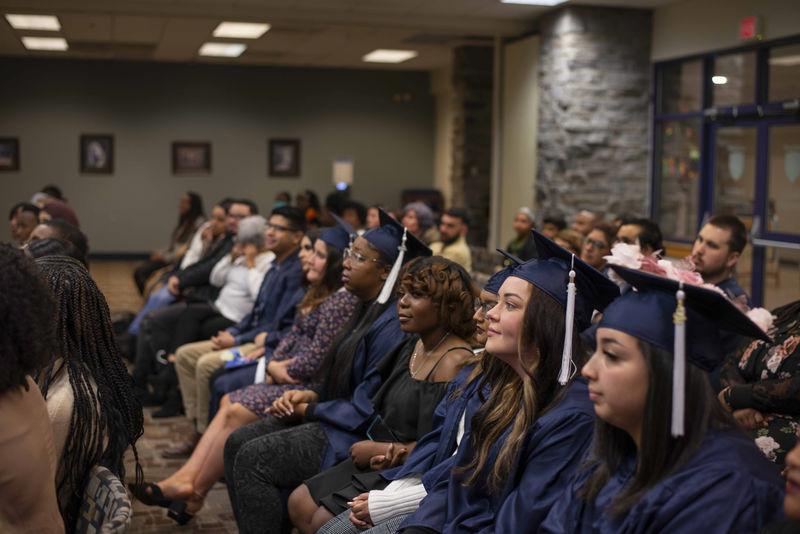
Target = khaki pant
(195,363)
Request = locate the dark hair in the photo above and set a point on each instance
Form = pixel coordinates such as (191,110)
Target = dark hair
(23,206)
(27,337)
(358,208)
(558,222)
(543,331)
(53,246)
(225,203)
(449,286)
(735,226)
(68,232)
(649,234)
(659,454)
(295,216)
(313,199)
(106,418)
(459,213)
(335,202)
(195,208)
(608,231)
(247,202)
(54,191)
(283,195)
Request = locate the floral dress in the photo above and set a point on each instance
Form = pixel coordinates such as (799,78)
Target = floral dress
(307,342)
(767,378)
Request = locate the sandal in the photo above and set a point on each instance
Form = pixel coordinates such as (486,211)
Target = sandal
(155,497)
(177,512)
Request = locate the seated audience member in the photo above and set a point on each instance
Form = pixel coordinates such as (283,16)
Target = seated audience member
(716,251)
(666,456)
(90,399)
(373,217)
(51,247)
(204,240)
(56,209)
(762,386)
(522,245)
(190,217)
(269,321)
(22,219)
(435,301)
(282,198)
(570,240)
(27,456)
(453,245)
(308,203)
(293,365)
(530,435)
(597,245)
(585,221)
(552,226)
(791,503)
(642,232)
(419,220)
(62,230)
(355,214)
(405,485)
(192,282)
(271,455)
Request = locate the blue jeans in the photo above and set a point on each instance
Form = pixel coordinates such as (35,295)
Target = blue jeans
(159,299)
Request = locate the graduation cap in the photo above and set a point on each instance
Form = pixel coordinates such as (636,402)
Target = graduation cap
(683,319)
(496,280)
(573,283)
(396,244)
(340,235)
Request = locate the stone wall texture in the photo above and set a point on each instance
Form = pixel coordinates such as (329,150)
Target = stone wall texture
(472,137)
(594,111)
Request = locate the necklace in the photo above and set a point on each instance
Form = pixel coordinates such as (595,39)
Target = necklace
(427,354)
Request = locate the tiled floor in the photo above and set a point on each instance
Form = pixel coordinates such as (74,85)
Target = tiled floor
(114,279)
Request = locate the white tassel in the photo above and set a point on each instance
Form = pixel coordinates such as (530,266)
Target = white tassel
(566,357)
(388,286)
(679,365)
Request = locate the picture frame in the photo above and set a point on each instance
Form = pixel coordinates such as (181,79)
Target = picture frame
(191,157)
(97,153)
(284,158)
(9,154)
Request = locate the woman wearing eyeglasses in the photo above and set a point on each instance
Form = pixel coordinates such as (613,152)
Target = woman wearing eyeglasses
(597,245)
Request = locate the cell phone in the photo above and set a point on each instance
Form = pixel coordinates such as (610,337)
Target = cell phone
(379,431)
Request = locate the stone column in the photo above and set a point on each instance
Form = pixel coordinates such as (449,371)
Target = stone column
(594,117)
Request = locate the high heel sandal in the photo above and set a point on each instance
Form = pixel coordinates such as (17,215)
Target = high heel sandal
(177,510)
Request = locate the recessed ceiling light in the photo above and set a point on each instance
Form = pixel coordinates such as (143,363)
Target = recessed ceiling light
(534,2)
(222,49)
(241,30)
(382,55)
(34,22)
(719,80)
(45,43)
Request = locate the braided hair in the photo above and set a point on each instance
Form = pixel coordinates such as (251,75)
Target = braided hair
(106,416)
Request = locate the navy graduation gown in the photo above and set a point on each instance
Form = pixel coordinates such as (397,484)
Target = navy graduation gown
(551,452)
(727,486)
(344,420)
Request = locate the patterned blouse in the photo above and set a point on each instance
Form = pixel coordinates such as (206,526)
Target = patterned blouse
(767,378)
(307,342)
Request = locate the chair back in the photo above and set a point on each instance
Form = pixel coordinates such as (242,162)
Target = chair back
(106,506)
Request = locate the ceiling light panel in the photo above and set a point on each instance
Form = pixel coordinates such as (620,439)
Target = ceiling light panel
(534,2)
(222,49)
(383,55)
(45,43)
(34,22)
(241,30)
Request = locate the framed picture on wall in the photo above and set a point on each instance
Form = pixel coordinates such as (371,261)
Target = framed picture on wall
(284,158)
(9,154)
(191,157)
(97,153)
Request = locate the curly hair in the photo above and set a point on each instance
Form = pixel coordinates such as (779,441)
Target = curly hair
(27,337)
(107,417)
(448,285)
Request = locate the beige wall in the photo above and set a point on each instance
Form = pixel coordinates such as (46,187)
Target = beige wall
(442,90)
(520,121)
(696,26)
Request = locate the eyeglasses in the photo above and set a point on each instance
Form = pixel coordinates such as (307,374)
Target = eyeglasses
(626,240)
(349,253)
(595,243)
(484,307)
(281,228)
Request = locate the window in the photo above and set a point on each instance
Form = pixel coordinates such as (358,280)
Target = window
(680,87)
(677,170)
(784,73)
(734,79)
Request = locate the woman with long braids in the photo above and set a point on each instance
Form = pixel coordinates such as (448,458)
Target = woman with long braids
(527,439)
(95,414)
(666,456)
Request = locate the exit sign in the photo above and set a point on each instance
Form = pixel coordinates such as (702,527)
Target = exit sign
(750,28)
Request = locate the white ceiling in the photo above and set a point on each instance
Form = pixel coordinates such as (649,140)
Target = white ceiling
(325,33)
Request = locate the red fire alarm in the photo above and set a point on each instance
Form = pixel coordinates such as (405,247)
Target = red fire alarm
(750,28)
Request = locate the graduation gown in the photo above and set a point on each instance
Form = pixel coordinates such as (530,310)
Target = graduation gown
(345,420)
(551,452)
(727,486)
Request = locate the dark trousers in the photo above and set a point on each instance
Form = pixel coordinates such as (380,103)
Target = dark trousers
(223,381)
(143,272)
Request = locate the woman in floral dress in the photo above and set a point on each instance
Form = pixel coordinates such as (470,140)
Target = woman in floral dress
(762,386)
